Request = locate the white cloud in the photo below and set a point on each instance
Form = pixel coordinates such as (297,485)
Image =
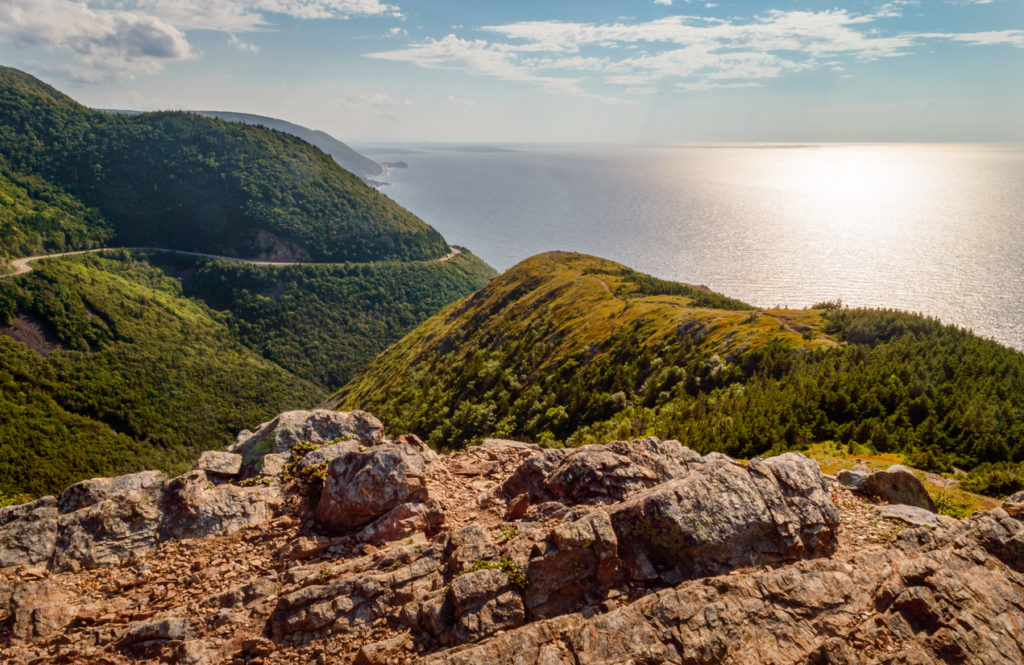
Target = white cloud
(106,44)
(117,39)
(250,15)
(988,38)
(479,57)
(663,2)
(686,52)
(242,45)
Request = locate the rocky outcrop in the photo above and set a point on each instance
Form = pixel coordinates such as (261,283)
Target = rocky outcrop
(630,552)
(897,484)
(934,597)
(362,486)
(320,426)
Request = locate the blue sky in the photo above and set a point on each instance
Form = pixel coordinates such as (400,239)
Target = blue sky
(651,71)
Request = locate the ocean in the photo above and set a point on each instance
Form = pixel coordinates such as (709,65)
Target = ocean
(930,228)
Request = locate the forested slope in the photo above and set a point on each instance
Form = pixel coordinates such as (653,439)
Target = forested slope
(186,181)
(565,348)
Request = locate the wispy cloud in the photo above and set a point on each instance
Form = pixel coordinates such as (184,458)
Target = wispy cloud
(685,52)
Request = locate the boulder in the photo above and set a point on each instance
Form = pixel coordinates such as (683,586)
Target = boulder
(722,515)
(28,532)
(196,508)
(913,515)
(219,463)
(362,486)
(1014,505)
(466,546)
(105,521)
(40,609)
(294,427)
(897,484)
(601,472)
(484,603)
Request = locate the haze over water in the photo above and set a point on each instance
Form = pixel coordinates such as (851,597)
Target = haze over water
(930,228)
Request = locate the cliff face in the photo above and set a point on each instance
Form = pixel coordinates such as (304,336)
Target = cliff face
(315,539)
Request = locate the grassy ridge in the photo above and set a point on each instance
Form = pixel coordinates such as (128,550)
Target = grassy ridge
(144,378)
(569,349)
(189,182)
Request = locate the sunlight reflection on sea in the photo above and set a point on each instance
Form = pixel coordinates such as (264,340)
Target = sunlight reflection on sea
(933,228)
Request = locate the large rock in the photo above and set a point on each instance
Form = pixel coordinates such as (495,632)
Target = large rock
(40,609)
(897,484)
(28,532)
(194,507)
(219,463)
(579,563)
(599,472)
(105,521)
(722,515)
(484,603)
(362,486)
(294,427)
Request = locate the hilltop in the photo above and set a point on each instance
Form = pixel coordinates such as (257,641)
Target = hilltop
(357,163)
(185,181)
(567,349)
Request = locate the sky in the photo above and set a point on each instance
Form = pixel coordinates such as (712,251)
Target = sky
(604,71)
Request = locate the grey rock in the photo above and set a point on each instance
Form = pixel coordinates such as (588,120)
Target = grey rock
(294,427)
(219,463)
(468,545)
(28,532)
(196,508)
(1014,505)
(913,515)
(600,472)
(106,521)
(90,492)
(328,453)
(897,484)
(272,464)
(163,629)
(362,486)
(721,516)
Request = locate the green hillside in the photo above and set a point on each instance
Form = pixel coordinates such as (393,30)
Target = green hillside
(117,372)
(185,181)
(566,348)
(324,323)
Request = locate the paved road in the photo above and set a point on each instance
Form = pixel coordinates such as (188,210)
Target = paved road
(21,266)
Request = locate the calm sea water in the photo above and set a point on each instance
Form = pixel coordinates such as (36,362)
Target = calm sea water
(937,229)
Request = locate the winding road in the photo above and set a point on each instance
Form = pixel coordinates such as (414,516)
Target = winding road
(21,266)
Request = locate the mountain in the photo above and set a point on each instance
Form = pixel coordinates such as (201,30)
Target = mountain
(124,360)
(570,349)
(361,165)
(189,182)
